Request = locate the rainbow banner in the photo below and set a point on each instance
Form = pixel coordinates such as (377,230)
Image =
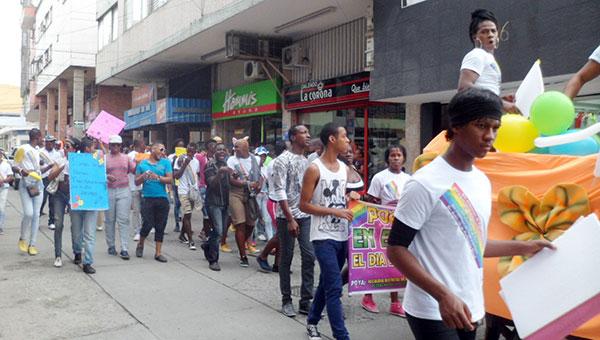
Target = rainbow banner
(370,271)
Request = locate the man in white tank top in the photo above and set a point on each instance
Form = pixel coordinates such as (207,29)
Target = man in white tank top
(323,197)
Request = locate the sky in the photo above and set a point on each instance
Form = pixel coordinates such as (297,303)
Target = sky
(10,26)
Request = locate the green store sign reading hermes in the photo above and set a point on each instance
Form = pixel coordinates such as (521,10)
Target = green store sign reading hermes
(254,99)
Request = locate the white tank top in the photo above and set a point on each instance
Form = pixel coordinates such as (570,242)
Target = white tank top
(330,192)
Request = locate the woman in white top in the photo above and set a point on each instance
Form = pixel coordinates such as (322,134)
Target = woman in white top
(479,67)
(386,187)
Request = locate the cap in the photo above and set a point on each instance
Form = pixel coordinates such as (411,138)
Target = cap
(217,139)
(115,139)
(261,150)
(49,138)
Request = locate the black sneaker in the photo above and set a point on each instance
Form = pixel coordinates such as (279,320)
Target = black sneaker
(244,262)
(160,258)
(215,266)
(77,259)
(124,255)
(112,251)
(139,251)
(313,332)
(287,309)
(88,269)
(263,265)
(183,239)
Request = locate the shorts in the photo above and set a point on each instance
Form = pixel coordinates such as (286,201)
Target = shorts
(238,210)
(186,204)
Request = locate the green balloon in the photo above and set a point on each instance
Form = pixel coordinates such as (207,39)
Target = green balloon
(552,113)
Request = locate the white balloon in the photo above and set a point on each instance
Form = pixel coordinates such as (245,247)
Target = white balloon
(542,142)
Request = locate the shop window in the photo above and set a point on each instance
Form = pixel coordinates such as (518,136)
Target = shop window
(135,11)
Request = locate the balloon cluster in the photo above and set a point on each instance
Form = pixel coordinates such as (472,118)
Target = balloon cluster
(552,114)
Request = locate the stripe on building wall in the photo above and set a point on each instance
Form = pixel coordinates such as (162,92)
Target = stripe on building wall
(333,53)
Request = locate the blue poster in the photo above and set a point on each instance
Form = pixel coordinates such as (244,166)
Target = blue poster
(87,177)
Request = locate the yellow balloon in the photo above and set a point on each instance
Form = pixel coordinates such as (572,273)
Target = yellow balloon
(516,134)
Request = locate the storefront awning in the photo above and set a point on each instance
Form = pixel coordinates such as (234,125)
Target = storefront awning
(169,110)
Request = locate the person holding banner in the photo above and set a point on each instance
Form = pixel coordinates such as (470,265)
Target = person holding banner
(27,161)
(439,233)
(292,223)
(386,187)
(118,166)
(479,67)
(588,72)
(154,173)
(324,197)
(60,200)
(83,222)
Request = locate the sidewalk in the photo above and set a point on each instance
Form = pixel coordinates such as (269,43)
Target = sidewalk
(144,299)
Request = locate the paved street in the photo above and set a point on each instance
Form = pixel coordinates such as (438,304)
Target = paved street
(144,299)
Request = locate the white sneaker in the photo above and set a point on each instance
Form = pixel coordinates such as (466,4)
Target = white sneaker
(313,332)
(192,246)
(136,237)
(58,262)
(51,226)
(262,237)
(99,227)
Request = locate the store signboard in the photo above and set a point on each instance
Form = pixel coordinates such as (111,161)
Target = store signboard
(330,91)
(256,99)
(142,95)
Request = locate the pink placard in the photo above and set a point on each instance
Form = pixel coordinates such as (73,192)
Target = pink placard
(104,126)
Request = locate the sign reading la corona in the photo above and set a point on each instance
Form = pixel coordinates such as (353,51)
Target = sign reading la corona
(329,91)
(254,99)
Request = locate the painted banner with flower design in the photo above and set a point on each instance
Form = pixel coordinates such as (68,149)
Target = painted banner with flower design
(87,181)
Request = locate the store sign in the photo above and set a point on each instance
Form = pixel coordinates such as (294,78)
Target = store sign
(330,91)
(142,95)
(254,99)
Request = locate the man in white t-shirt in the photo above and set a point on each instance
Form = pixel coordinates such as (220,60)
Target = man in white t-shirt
(186,171)
(6,177)
(139,147)
(479,67)
(439,234)
(589,71)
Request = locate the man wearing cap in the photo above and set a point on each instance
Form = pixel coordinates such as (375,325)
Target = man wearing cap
(266,227)
(48,156)
(118,166)
(6,177)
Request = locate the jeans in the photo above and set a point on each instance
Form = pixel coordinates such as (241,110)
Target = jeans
(262,200)
(155,212)
(218,217)
(48,198)
(3,199)
(424,329)
(31,210)
(83,233)
(307,254)
(177,206)
(331,256)
(119,202)
(59,201)
(136,210)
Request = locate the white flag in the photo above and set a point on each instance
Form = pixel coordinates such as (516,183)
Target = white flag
(531,87)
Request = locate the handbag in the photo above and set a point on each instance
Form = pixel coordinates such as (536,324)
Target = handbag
(33,190)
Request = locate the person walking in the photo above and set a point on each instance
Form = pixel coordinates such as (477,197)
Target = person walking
(292,223)
(48,156)
(386,188)
(324,198)
(264,230)
(179,144)
(60,201)
(217,175)
(154,173)
(449,202)
(139,149)
(6,177)
(83,222)
(245,182)
(118,167)
(27,160)
(186,171)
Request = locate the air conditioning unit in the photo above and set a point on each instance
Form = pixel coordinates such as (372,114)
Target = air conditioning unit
(253,70)
(294,56)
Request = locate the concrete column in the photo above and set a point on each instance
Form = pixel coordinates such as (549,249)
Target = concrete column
(43,115)
(51,109)
(78,102)
(63,97)
(286,121)
(413,133)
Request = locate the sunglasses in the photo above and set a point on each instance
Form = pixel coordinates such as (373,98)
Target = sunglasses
(161,149)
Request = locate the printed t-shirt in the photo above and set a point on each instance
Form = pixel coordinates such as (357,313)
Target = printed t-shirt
(187,180)
(451,210)
(387,186)
(288,173)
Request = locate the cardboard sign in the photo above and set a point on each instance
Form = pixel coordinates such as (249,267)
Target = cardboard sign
(370,271)
(87,179)
(104,126)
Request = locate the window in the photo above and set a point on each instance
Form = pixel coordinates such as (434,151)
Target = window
(135,11)
(108,27)
(155,4)
(45,23)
